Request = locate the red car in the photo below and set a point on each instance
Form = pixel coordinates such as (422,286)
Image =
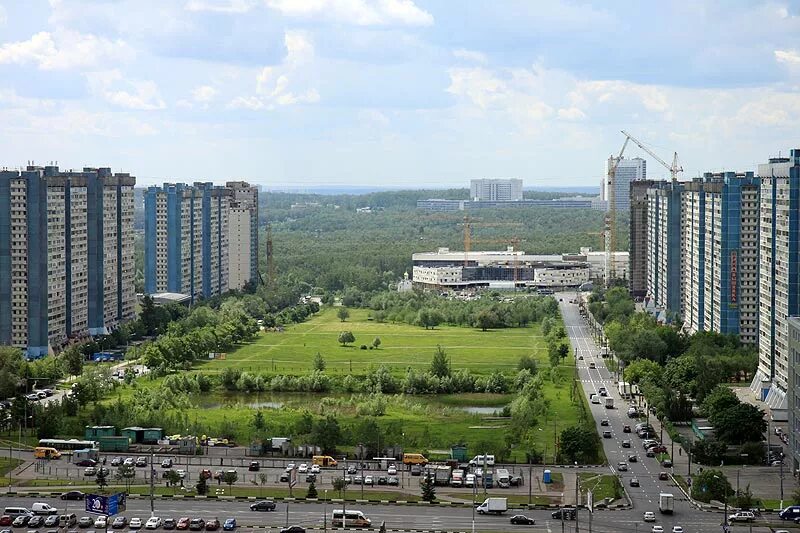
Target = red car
(205,474)
(660,448)
(212,525)
(5,520)
(183,523)
(663,476)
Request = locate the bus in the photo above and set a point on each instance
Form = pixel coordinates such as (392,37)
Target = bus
(353,518)
(68,445)
(46,453)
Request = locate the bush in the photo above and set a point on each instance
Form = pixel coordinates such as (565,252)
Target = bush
(363,346)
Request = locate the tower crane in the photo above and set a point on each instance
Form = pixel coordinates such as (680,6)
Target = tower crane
(674,168)
(611,215)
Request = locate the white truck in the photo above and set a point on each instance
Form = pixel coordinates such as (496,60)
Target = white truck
(442,475)
(666,503)
(457,479)
(609,403)
(503,478)
(493,506)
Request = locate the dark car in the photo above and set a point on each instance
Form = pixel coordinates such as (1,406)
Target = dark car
(255,466)
(522,520)
(311,478)
(416,470)
(663,476)
(169,523)
(632,459)
(51,521)
(634,482)
(606,434)
(212,525)
(141,462)
(229,525)
(87,462)
(567,514)
(119,522)
(293,529)
(35,521)
(650,453)
(72,495)
(666,463)
(284,477)
(6,520)
(516,481)
(85,521)
(604,422)
(21,520)
(264,505)
(351,470)
(393,480)
(626,428)
(197,524)
(383,480)
(626,444)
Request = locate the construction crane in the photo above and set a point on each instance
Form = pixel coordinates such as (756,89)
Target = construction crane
(674,169)
(514,243)
(469,223)
(611,214)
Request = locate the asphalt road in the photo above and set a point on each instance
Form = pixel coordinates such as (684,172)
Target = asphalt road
(646,469)
(396,517)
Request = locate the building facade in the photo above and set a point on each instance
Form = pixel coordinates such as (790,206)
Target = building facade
(495,190)
(793,392)
(779,286)
(720,255)
(628,171)
(242,234)
(66,255)
(637,267)
(186,239)
(664,258)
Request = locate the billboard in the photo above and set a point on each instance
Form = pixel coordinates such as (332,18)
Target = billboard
(106,505)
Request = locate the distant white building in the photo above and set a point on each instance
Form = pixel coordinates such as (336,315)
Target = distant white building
(499,190)
(628,170)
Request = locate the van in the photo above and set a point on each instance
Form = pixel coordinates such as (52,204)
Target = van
(790,513)
(478,460)
(41,452)
(43,509)
(14,512)
(351,518)
(67,520)
(324,461)
(414,459)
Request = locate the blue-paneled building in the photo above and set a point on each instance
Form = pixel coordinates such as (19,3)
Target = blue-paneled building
(664,212)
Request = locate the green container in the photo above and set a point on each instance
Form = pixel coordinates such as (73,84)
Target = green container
(95,432)
(459,452)
(152,435)
(114,444)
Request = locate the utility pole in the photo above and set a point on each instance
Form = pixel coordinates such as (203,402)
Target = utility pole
(344,498)
(484,473)
(152,475)
(577,498)
(781,483)
(530,483)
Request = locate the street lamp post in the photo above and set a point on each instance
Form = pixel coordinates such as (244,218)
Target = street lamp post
(325,512)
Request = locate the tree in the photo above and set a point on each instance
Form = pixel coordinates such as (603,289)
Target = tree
(428,489)
(376,342)
(738,424)
(527,362)
(319,363)
(579,443)
(343,314)
(429,318)
(125,473)
(258,421)
(173,479)
(440,364)
(346,337)
(719,399)
(485,319)
(708,451)
(563,350)
(326,434)
(230,477)
(102,478)
(73,361)
(711,484)
(312,492)
(339,485)
(202,485)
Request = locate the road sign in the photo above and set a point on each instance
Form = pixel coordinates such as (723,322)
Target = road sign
(106,505)
(293,477)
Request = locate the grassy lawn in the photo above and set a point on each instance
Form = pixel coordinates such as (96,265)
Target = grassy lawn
(602,485)
(512,498)
(402,345)
(7,464)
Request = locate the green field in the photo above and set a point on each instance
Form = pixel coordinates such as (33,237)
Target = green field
(402,345)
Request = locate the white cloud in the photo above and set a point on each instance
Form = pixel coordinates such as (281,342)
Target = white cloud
(470,55)
(220,6)
(299,48)
(791,57)
(204,94)
(3,16)
(63,50)
(130,94)
(571,113)
(358,12)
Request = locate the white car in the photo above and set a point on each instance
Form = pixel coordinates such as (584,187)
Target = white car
(392,470)
(657,529)
(290,467)
(302,469)
(677,529)
(135,523)
(101,522)
(368,480)
(622,467)
(128,461)
(649,516)
(182,474)
(315,469)
(154,522)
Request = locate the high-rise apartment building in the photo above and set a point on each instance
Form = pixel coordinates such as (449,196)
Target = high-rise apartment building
(628,171)
(637,267)
(186,239)
(66,255)
(664,258)
(794,391)
(720,254)
(242,234)
(496,190)
(779,285)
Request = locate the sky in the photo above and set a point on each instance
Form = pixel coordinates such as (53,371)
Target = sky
(395,93)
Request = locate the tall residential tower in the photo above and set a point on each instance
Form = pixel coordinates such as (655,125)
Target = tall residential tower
(242,234)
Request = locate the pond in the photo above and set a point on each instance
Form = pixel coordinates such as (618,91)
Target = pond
(482,410)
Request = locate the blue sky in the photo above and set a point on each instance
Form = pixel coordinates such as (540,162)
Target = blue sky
(416,93)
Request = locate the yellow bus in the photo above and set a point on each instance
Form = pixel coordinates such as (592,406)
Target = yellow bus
(40,452)
(414,459)
(324,461)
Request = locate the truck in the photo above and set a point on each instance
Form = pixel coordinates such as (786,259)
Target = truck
(88,453)
(666,503)
(442,475)
(503,478)
(609,403)
(457,478)
(493,506)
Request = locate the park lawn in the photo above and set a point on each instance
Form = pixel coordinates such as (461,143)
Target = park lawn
(292,351)
(602,485)
(515,499)
(7,463)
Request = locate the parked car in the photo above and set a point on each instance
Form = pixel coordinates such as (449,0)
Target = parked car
(119,522)
(677,529)
(284,477)
(212,525)
(169,523)
(315,469)
(21,520)
(166,463)
(35,521)
(352,470)
(416,470)
(263,505)
(666,463)
(85,521)
(368,480)
(392,470)
(5,520)
(87,462)
(229,525)
(197,524)
(290,467)
(116,461)
(657,529)
(154,522)
(311,478)
(183,523)
(101,522)
(383,480)
(663,476)
(255,466)
(302,469)
(90,471)
(51,521)
(135,523)
(141,462)
(568,513)
(293,529)
(393,480)
(522,520)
